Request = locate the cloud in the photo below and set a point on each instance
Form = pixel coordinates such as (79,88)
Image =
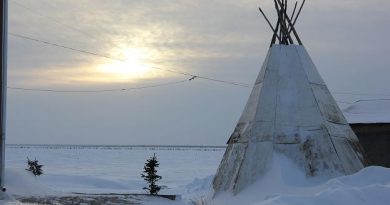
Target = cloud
(224,39)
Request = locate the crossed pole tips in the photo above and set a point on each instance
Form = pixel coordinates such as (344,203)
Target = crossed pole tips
(285,24)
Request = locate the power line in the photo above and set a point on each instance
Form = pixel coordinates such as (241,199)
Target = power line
(359,94)
(164,69)
(344,102)
(51,19)
(383,99)
(121,60)
(363,100)
(62,46)
(96,91)
(193,76)
(104,56)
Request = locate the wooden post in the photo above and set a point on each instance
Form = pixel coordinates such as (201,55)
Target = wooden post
(283,28)
(293,13)
(296,18)
(270,25)
(285,24)
(3,90)
(275,33)
(289,22)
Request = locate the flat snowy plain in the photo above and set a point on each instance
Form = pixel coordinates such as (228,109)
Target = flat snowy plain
(185,171)
(105,169)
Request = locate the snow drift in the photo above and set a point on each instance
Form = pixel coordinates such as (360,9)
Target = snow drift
(287,184)
(20,182)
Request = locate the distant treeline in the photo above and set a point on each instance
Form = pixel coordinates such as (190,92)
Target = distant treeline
(118,147)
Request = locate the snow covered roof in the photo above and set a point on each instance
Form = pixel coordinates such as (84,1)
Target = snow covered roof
(368,111)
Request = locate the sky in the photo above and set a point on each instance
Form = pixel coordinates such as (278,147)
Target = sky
(137,43)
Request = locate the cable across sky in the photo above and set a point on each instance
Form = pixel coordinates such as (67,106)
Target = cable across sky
(99,91)
(191,75)
(121,60)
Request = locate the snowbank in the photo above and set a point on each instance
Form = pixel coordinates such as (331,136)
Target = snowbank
(23,183)
(369,186)
(6,199)
(198,190)
(159,201)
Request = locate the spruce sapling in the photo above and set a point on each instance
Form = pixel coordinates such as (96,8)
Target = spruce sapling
(34,167)
(150,175)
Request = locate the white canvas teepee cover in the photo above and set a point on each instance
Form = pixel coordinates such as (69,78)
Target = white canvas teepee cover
(290,111)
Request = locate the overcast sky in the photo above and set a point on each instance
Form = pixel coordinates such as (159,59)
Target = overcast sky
(222,39)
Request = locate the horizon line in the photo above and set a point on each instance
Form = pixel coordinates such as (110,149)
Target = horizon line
(101,145)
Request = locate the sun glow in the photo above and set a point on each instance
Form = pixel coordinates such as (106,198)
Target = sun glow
(134,64)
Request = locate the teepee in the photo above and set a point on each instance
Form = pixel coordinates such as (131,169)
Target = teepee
(290,112)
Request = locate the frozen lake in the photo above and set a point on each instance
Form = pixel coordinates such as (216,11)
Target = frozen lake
(115,169)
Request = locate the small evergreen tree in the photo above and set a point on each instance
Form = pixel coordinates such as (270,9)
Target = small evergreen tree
(34,167)
(150,175)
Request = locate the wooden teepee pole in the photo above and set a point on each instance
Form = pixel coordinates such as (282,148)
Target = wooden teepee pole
(289,22)
(285,24)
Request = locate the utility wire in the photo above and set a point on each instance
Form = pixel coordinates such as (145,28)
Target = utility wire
(359,94)
(97,91)
(51,19)
(117,59)
(344,102)
(62,46)
(193,76)
(383,99)
(362,100)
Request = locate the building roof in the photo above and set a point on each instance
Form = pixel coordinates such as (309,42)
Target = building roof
(368,111)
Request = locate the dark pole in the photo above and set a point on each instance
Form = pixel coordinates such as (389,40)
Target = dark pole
(270,25)
(3,90)
(289,22)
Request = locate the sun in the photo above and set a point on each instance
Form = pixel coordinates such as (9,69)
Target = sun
(133,64)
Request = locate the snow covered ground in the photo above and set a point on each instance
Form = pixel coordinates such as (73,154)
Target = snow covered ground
(286,184)
(102,169)
(185,171)
(115,169)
